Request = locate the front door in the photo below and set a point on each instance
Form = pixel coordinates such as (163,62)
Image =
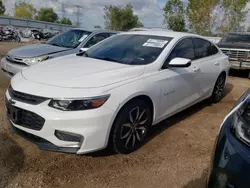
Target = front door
(179,85)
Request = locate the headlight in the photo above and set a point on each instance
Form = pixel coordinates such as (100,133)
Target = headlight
(79,104)
(35,60)
(241,123)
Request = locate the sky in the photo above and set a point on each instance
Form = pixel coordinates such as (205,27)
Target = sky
(150,12)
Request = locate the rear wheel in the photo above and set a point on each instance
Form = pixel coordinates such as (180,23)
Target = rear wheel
(131,127)
(17,39)
(218,89)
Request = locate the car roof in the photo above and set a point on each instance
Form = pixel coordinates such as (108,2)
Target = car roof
(165,33)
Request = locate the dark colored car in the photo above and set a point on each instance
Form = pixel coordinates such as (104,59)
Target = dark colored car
(230,164)
(237,46)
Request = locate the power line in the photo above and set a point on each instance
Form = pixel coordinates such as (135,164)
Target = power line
(78,10)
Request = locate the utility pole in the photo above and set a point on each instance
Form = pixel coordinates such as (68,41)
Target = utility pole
(78,13)
(63,10)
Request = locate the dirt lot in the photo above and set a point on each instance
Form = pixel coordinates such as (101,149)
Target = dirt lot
(176,155)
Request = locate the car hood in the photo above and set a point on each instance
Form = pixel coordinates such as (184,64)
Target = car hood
(36,50)
(234,45)
(81,72)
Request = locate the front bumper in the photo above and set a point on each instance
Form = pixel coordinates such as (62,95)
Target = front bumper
(10,69)
(92,125)
(241,65)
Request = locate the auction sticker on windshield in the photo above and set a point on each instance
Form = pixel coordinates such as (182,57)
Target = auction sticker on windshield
(156,43)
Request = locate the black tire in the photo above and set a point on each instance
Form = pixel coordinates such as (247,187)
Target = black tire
(17,39)
(219,87)
(131,127)
(249,75)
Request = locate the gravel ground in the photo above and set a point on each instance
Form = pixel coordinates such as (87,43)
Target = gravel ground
(177,153)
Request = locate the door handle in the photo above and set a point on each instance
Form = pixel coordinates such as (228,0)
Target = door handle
(196,69)
(216,63)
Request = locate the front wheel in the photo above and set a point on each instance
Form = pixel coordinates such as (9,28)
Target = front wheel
(131,127)
(218,91)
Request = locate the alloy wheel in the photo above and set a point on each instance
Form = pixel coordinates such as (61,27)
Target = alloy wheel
(135,129)
(219,88)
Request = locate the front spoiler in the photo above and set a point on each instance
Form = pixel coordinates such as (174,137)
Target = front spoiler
(42,143)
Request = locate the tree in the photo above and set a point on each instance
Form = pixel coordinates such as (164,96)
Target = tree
(47,15)
(174,15)
(121,19)
(65,21)
(2,8)
(233,15)
(24,10)
(201,15)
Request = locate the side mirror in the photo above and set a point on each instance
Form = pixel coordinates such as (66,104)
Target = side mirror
(83,49)
(180,62)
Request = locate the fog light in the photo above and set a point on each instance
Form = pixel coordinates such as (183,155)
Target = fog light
(66,136)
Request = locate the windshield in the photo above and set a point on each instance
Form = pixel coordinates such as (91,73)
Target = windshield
(236,38)
(129,49)
(69,39)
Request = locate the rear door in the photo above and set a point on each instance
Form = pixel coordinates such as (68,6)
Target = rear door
(207,59)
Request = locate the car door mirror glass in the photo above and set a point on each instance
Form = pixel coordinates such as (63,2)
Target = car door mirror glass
(180,62)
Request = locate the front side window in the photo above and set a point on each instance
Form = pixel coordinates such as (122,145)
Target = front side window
(130,49)
(69,39)
(183,49)
(96,39)
(204,48)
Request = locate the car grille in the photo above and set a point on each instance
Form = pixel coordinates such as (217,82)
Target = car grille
(26,118)
(26,98)
(236,54)
(14,60)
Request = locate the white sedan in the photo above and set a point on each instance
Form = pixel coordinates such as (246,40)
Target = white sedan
(114,92)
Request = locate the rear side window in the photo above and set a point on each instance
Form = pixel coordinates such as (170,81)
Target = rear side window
(183,49)
(204,48)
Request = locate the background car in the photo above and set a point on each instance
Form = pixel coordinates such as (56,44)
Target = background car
(237,46)
(114,92)
(69,42)
(230,163)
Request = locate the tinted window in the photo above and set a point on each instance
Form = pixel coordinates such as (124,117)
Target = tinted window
(204,48)
(129,49)
(95,39)
(183,49)
(236,38)
(69,39)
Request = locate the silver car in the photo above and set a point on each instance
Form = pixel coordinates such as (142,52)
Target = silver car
(69,42)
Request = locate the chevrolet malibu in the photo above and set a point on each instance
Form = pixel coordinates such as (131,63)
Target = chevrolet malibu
(114,92)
